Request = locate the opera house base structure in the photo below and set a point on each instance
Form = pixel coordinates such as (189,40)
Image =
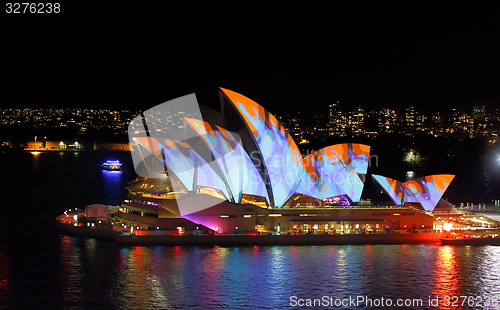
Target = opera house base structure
(241,178)
(225,217)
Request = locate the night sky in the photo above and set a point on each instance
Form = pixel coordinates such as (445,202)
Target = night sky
(133,55)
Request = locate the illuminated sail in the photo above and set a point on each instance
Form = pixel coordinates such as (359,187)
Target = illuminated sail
(335,170)
(187,165)
(426,190)
(280,156)
(324,175)
(239,172)
(393,188)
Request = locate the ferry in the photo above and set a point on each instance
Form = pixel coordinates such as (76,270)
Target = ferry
(471,240)
(112,165)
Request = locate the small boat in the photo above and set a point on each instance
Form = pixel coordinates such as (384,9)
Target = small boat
(112,165)
(471,240)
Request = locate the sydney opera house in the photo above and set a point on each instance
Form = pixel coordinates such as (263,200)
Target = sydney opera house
(239,171)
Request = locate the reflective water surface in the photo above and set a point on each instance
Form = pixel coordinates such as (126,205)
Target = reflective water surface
(90,274)
(43,269)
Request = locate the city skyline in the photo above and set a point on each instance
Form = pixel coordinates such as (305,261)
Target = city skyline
(340,121)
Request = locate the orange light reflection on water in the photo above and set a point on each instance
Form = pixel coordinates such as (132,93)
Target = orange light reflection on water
(4,277)
(446,281)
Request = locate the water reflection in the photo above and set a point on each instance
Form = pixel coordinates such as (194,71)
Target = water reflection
(265,277)
(447,277)
(87,273)
(96,274)
(71,274)
(486,264)
(112,183)
(340,273)
(5,280)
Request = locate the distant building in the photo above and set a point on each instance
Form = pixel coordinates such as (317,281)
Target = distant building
(387,120)
(357,121)
(479,117)
(55,145)
(35,145)
(410,116)
(75,146)
(478,113)
(112,146)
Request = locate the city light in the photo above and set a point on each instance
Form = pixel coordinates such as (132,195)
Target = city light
(477,122)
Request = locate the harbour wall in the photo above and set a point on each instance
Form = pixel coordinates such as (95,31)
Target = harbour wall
(249,240)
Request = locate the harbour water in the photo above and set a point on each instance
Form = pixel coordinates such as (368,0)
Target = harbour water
(72,273)
(41,268)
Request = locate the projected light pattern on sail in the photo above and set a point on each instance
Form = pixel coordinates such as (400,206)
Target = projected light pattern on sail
(279,152)
(239,171)
(335,170)
(257,162)
(426,190)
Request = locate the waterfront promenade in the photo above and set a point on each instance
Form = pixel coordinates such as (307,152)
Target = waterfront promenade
(222,240)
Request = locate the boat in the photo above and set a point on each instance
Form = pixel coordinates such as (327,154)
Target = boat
(471,240)
(112,165)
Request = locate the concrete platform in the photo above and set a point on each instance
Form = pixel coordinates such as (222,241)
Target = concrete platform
(230,240)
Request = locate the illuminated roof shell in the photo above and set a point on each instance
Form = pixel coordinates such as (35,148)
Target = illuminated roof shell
(335,170)
(426,190)
(241,175)
(281,157)
(186,164)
